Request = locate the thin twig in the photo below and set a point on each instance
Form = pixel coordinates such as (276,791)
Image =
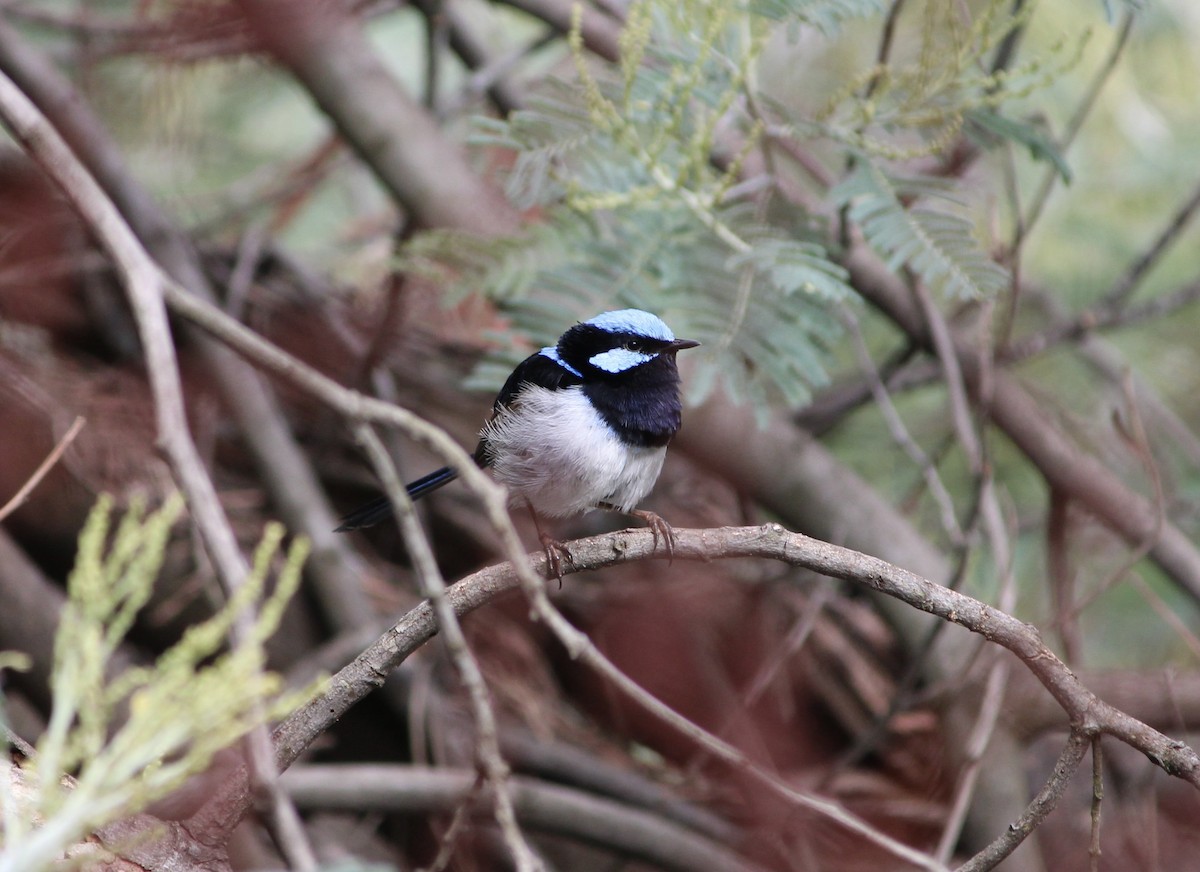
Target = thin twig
(987,721)
(1124,287)
(899,432)
(1135,436)
(1092,320)
(429,577)
(457,821)
(943,344)
(1045,802)
(977,742)
(18,499)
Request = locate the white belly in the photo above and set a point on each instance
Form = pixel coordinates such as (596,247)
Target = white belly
(553,450)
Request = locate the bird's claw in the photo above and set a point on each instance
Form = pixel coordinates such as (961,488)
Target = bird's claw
(659,528)
(556,551)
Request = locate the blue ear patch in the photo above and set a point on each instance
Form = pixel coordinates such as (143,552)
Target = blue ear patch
(619,359)
(632,321)
(551,352)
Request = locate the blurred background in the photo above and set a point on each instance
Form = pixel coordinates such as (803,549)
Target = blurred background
(943,261)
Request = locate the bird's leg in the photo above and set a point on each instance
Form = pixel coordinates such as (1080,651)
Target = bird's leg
(659,528)
(555,550)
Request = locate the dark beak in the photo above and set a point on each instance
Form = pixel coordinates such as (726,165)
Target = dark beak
(680,344)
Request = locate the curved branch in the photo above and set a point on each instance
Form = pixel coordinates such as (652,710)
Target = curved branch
(1041,806)
(1088,715)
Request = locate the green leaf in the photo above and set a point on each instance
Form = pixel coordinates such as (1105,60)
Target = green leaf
(938,245)
(1032,136)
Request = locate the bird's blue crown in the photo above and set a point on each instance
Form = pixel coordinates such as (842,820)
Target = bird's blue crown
(633,321)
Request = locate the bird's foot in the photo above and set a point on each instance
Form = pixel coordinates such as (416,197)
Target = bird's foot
(556,552)
(659,528)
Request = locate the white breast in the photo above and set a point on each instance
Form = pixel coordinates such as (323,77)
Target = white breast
(553,450)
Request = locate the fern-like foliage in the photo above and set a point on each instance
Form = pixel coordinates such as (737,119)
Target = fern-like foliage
(903,110)
(197,699)
(635,210)
(763,310)
(635,213)
(936,244)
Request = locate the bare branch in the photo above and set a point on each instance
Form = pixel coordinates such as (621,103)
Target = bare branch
(429,576)
(540,806)
(1044,803)
(1124,287)
(1088,715)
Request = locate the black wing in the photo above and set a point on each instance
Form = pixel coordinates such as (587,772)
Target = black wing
(537,369)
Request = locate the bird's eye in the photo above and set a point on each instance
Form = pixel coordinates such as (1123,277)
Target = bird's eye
(634,345)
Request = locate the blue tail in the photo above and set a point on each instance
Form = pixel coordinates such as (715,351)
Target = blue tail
(380,509)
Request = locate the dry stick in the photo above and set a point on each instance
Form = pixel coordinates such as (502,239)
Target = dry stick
(1041,806)
(987,721)
(143,282)
(988,718)
(977,742)
(1088,714)
(1167,614)
(46,465)
(433,587)
(1094,319)
(457,822)
(564,811)
(943,346)
(1135,436)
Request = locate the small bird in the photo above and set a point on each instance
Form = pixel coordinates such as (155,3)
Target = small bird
(580,425)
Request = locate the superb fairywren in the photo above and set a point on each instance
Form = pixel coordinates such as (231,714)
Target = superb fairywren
(580,425)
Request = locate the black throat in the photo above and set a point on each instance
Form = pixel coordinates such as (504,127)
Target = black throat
(642,404)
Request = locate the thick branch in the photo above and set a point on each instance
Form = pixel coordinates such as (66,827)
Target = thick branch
(326,49)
